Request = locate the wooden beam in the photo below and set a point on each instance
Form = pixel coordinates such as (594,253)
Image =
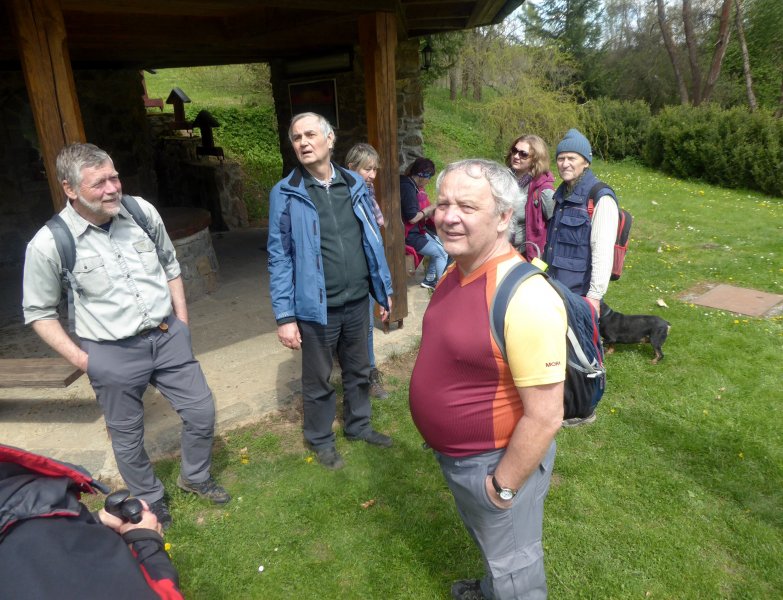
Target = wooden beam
(378,42)
(39,31)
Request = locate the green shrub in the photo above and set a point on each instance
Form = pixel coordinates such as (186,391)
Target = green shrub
(731,148)
(249,136)
(616,129)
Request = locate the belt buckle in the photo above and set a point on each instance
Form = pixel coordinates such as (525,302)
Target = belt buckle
(164,327)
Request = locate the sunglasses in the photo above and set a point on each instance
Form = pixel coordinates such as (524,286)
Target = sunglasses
(520,153)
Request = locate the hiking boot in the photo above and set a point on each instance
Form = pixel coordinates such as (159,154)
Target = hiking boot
(577,421)
(376,438)
(376,385)
(209,490)
(329,458)
(467,589)
(161,510)
(428,284)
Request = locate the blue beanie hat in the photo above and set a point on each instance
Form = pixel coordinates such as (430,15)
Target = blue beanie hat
(574,141)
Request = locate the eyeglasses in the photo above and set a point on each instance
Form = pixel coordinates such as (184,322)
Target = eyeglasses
(424,175)
(520,153)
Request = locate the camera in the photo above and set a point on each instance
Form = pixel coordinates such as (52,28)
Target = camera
(122,506)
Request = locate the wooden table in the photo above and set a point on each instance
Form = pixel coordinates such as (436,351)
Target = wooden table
(37,372)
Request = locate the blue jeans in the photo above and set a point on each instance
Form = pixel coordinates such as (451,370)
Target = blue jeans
(438,257)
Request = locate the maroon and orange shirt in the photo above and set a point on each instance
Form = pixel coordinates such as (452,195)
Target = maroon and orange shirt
(463,395)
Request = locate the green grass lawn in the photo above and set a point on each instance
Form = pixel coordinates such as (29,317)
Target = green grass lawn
(675,491)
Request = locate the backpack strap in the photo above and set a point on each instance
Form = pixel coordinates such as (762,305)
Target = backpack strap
(133,207)
(593,195)
(66,248)
(503,294)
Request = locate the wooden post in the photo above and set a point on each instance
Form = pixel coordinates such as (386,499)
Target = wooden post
(39,32)
(378,42)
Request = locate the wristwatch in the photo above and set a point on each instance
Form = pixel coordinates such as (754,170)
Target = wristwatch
(504,494)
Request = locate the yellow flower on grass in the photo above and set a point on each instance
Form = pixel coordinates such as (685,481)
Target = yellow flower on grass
(309,459)
(741,455)
(167,546)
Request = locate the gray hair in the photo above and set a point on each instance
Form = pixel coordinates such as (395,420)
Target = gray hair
(75,157)
(504,188)
(323,123)
(360,155)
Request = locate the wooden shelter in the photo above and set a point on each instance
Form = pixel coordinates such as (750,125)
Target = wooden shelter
(50,38)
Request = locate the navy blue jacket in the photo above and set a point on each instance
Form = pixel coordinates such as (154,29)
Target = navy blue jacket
(568,235)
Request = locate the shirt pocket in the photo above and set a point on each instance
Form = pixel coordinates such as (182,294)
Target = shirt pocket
(573,230)
(148,255)
(91,275)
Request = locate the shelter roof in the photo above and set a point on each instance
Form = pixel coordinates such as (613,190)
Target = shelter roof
(179,33)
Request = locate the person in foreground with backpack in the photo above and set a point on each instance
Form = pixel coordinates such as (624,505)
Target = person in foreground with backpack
(51,546)
(130,317)
(491,422)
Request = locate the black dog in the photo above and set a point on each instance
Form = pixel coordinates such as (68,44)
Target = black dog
(617,328)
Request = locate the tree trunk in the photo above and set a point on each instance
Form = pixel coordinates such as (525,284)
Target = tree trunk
(477,85)
(671,50)
(453,82)
(465,76)
(693,54)
(720,50)
(745,57)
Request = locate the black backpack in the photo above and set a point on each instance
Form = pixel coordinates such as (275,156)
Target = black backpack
(624,222)
(66,248)
(585,373)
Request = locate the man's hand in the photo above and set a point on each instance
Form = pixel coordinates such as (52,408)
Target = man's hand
(82,361)
(385,313)
(289,335)
(148,521)
(596,305)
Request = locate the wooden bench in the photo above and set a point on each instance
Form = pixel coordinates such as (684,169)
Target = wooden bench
(37,372)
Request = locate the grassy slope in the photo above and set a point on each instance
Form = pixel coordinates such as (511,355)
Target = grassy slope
(675,492)
(237,98)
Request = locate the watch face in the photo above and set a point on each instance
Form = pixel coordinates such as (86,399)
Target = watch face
(506,494)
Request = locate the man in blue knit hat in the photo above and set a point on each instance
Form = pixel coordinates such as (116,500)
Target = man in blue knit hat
(579,245)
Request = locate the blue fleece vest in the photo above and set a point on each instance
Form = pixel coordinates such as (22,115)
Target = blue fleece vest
(568,235)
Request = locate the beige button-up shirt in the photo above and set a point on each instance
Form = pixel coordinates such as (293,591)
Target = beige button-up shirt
(124,284)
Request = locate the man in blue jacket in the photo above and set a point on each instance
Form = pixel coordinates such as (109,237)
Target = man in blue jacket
(325,257)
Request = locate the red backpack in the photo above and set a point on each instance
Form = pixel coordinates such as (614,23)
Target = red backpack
(624,222)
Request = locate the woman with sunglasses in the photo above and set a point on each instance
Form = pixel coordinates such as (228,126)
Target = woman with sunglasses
(528,159)
(416,209)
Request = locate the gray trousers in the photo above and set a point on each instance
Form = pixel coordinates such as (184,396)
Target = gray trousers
(510,538)
(119,373)
(345,334)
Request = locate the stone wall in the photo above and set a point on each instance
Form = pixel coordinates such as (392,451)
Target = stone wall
(352,126)
(185,179)
(198,263)
(114,119)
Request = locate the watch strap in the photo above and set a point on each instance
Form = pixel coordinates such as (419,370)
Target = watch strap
(499,489)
